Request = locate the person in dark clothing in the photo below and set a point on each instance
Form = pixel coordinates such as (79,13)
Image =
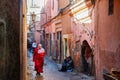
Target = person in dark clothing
(67,65)
(70,64)
(84,62)
(64,65)
(28,44)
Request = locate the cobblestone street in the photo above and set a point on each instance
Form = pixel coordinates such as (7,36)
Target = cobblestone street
(51,72)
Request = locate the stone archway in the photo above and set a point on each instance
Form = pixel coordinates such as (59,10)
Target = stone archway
(87,59)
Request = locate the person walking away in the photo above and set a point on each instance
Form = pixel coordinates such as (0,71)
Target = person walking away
(38,58)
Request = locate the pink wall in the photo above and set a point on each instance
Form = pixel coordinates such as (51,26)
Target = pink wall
(37,34)
(77,31)
(81,31)
(105,40)
(66,24)
(54,8)
(108,39)
(54,12)
(48,9)
(63,3)
(47,26)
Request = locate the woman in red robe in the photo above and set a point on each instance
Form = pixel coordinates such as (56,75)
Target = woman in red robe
(38,58)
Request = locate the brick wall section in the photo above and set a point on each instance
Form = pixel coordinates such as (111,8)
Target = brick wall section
(9,13)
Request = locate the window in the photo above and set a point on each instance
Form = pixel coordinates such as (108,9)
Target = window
(59,35)
(111,7)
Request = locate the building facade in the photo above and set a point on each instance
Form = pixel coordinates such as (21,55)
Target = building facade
(82,38)
(86,30)
(107,40)
(55,27)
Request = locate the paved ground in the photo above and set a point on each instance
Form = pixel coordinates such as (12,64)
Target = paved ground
(51,72)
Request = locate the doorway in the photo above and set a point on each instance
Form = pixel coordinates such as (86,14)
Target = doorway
(66,47)
(59,45)
(87,59)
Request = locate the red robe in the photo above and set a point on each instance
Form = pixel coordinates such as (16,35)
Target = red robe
(38,58)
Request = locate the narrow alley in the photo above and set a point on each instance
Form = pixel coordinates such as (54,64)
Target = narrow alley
(81,36)
(51,72)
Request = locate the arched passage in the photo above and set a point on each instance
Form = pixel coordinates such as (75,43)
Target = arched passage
(87,59)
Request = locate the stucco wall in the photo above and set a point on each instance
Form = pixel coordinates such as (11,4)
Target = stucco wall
(37,34)
(63,3)
(108,39)
(48,9)
(66,24)
(80,32)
